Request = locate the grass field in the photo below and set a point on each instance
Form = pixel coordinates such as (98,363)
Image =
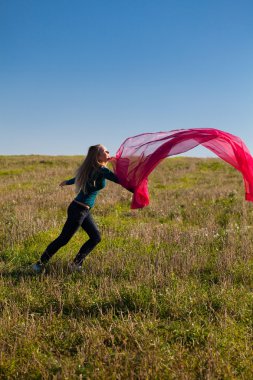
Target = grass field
(167,294)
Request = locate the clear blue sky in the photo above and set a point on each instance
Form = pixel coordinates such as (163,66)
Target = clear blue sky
(80,72)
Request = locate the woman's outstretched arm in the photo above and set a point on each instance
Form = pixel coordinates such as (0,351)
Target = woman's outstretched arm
(108,174)
(67,182)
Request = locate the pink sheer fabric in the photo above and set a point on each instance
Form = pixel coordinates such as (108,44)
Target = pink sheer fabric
(138,156)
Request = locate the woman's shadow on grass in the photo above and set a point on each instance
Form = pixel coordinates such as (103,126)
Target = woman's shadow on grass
(18,274)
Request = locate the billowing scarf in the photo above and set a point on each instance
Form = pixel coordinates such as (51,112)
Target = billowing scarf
(138,156)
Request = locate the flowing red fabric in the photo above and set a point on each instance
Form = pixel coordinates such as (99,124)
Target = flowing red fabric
(138,156)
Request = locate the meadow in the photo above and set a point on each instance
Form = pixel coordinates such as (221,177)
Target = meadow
(167,294)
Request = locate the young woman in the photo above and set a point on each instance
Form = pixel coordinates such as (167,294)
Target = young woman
(90,179)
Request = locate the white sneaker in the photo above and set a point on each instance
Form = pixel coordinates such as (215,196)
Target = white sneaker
(38,267)
(73,267)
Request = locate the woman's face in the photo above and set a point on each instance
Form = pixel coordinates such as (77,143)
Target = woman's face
(103,155)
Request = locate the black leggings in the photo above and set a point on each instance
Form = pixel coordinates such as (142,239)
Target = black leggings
(77,216)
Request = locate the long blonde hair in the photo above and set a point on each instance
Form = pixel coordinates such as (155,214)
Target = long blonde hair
(88,168)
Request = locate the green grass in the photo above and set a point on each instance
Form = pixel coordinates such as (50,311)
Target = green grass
(167,294)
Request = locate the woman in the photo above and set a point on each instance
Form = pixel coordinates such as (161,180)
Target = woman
(89,180)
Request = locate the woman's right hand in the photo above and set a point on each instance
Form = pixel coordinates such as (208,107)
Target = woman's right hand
(63,183)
